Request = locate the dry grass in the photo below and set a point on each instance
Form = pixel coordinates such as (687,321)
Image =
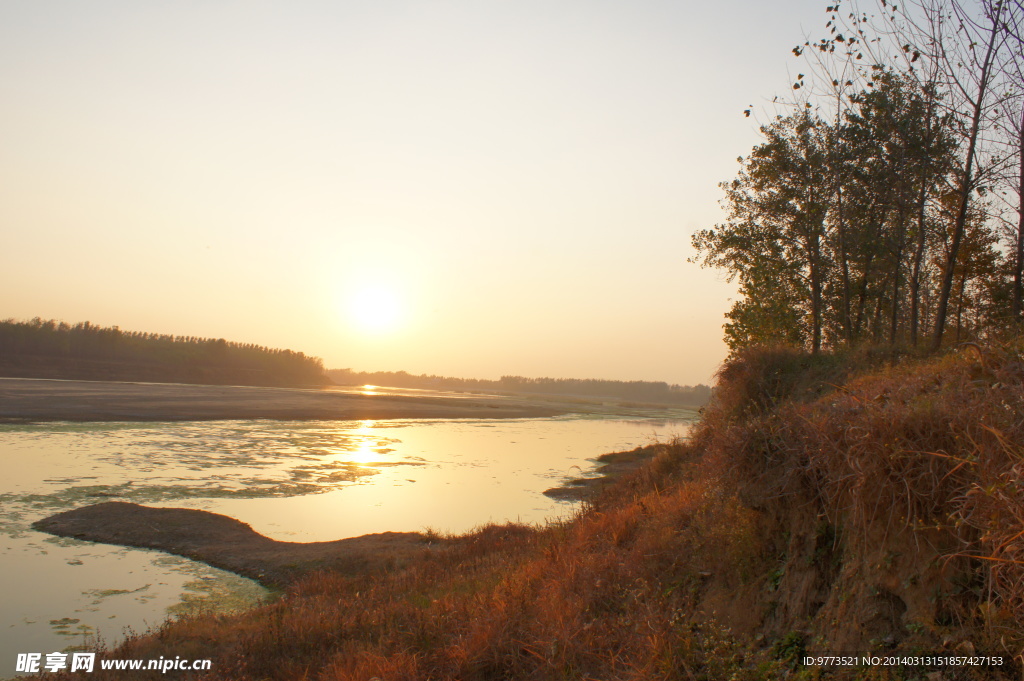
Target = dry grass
(883,514)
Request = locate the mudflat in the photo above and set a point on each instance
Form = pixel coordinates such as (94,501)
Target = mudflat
(230,544)
(30,399)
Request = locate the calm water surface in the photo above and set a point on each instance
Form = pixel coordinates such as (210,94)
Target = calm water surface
(292,481)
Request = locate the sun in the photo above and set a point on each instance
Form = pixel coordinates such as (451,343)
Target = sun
(375,308)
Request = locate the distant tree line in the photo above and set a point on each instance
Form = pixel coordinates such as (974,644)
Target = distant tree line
(641,391)
(55,349)
(887,205)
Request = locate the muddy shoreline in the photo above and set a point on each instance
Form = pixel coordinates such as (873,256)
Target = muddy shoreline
(613,466)
(24,400)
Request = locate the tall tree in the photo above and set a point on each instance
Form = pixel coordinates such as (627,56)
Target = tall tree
(1011,127)
(875,228)
(775,239)
(985,38)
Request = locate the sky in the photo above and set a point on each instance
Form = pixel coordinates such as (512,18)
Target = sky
(466,188)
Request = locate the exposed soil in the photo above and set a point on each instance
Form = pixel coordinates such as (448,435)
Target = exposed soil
(27,400)
(230,544)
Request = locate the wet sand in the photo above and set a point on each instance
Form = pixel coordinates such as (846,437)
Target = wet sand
(28,400)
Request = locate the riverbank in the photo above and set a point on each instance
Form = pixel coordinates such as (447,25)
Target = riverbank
(28,400)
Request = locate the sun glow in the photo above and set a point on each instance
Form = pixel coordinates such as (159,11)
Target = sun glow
(366,444)
(375,308)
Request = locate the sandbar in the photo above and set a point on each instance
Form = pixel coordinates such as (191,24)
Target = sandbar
(30,400)
(230,544)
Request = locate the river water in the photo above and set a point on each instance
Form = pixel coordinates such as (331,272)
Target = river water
(292,481)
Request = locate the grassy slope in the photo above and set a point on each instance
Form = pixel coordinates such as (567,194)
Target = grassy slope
(885,514)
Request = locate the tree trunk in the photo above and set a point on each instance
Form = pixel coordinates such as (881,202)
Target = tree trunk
(901,227)
(966,186)
(844,267)
(1018,262)
(813,248)
(922,197)
(865,279)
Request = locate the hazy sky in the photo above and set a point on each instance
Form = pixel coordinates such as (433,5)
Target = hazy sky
(469,188)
